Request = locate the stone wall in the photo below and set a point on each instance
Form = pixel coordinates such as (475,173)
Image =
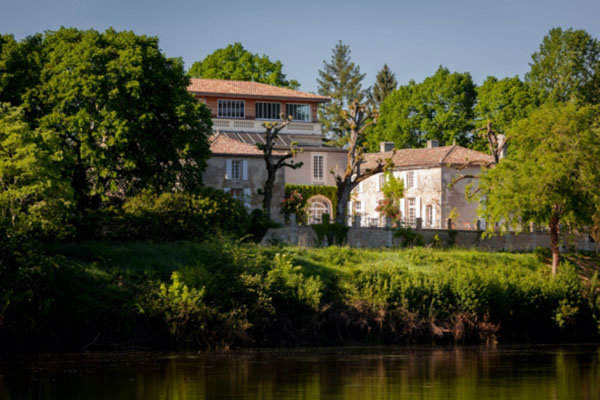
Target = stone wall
(384,237)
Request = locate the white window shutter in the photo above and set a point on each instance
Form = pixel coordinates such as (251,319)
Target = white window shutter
(228,169)
(402,201)
(418,207)
(433,221)
(226,190)
(247,197)
(245,170)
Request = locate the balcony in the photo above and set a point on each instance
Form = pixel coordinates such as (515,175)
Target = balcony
(244,125)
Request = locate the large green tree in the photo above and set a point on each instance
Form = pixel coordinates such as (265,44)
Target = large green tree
(341,80)
(551,175)
(440,108)
(567,65)
(236,63)
(20,65)
(501,102)
(385,83)
(33,196)
(117,114)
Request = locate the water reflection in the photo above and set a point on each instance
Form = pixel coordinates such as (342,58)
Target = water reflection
(362,373)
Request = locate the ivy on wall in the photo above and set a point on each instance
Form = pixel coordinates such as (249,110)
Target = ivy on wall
(308,191)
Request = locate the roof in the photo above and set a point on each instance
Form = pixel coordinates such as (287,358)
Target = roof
(445,155)
(221,144)
(218,87)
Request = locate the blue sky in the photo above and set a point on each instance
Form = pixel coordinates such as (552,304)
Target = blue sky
(413,37)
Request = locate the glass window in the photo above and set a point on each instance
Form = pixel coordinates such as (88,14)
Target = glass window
(299,112)
(316,210)
(412,211)
(318,168)
(429,216)
(268,110)
(231,109)
(410,179)
(236,167)
(236,193)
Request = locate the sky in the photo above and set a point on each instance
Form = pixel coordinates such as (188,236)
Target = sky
(413,37)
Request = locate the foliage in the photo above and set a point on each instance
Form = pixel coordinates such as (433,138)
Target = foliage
(440,108)
(182,309)
(234,62)
(408,237)
(502,101)
(292,203)
(341,80)
(385,83)
(308,191)
(393,192)
(33,197)
(567,66)
(115,114)
(335,233)
(547,178)
(20,65)
(259,224)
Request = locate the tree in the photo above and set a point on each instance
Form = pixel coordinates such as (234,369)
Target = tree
(274,162)
(341,80)
(33,196)
(440,108)
(501,102)
(567,66)
(550,176)
(117,116)
(358,118)
(385,83)
(236,63)
(19,67)
(393,192)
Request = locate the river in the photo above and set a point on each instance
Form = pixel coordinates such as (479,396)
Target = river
(365,373)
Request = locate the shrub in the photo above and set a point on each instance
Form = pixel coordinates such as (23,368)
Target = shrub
(170,216)
(259,224)
(409,237)
(335,233)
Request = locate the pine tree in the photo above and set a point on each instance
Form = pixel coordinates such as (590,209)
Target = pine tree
(385,83)
(341,80)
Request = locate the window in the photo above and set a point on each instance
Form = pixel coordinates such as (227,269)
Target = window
(236,193)
(268,110)
(235,169)
(316,210)
(230,109)
(318,168)
(357,206)
(299,112)
(410,179)
(412,211)
(429,216)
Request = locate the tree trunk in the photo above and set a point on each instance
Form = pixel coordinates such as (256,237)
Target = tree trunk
(554,243)
(268,194)
(343,195)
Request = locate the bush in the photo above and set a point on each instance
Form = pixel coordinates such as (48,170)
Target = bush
(409,237)
(169,217)
(259,224)
(335,233)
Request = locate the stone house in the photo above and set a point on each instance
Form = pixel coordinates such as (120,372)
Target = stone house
(427,174)
(238,110)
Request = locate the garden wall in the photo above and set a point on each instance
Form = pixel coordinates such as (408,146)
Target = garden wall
(384,237)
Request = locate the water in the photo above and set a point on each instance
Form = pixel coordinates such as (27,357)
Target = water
(540,372)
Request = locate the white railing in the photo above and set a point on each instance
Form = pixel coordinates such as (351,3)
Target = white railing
(308,128)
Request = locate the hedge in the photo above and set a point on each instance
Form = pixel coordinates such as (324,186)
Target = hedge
(308,191)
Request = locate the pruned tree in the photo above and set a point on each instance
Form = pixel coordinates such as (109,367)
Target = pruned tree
(357,118)
(275,161)
(551,177)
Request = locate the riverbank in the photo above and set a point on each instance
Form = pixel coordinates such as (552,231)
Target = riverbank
(222,294)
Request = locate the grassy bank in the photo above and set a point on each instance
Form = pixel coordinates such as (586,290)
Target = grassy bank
(95,295)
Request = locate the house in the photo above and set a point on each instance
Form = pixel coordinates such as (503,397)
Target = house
(429,195)
(238,111)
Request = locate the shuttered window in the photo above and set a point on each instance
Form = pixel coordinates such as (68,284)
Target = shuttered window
(268,110)
(299,112)
(231,109)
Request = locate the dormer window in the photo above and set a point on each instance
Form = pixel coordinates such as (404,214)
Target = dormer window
(299,112)
(231,109)
(267,110)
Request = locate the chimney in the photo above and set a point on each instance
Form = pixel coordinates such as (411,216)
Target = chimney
(432,143)
(386,146)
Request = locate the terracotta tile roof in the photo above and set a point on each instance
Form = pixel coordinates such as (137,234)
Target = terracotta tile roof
(445,155)
(250,90)
(221,144)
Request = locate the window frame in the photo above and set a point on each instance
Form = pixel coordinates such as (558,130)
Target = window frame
(314,167)
(410,179)
(243,108)
(256,105)
(287,113)
(236,170)
(411,219)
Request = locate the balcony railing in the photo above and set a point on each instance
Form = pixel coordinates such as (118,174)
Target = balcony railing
(308,128)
